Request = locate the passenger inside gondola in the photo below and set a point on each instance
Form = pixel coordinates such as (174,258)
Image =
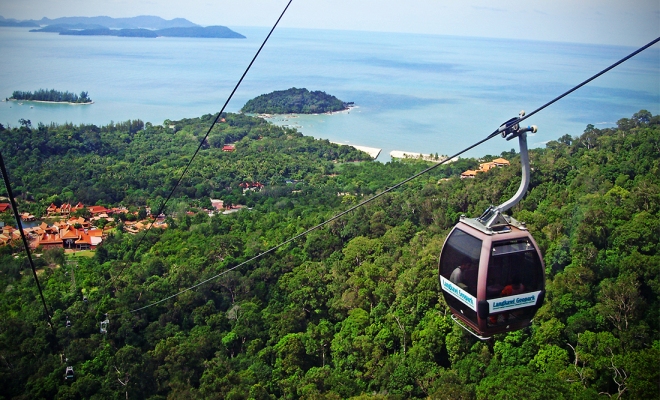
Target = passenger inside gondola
(494,284)
(458,275)
(511,273)
(515,287)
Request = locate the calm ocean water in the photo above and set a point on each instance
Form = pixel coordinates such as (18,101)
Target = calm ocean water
(417,93)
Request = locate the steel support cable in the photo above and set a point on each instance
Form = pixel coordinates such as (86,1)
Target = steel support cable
(201,143)
(14,207)
(337,216)
(561,96)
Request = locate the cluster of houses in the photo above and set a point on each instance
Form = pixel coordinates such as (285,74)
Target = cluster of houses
(67,209)
(485,167)
(69,232)
(27,217)
(59,235)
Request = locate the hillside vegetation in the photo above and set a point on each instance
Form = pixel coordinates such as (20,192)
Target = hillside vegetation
(137,164)
(350,311)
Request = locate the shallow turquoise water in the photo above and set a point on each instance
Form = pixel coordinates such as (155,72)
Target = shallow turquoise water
(417,93)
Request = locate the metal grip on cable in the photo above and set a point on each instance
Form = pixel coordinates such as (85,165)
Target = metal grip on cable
(521,134)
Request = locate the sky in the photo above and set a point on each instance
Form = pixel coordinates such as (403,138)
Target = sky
(616,22)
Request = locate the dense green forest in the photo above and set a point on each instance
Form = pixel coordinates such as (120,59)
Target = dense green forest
(137,164)
(294,101)
(52,95)
(350,311)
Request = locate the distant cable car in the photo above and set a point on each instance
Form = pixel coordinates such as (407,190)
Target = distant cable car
(491,271)
(68,374)
(104,325)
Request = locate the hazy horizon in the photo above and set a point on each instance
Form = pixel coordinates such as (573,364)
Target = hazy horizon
(633,23)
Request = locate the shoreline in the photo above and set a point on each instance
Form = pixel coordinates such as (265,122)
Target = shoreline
(295,115)
(375,152)
(52,102)
(410,155)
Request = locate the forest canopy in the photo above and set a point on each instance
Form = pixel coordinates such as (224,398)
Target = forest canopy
(352,310)
(290,101)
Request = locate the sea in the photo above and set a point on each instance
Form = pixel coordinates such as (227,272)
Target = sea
(414,93)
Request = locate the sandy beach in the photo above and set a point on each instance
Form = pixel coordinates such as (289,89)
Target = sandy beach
(425,157)
(372,151)
(52,102)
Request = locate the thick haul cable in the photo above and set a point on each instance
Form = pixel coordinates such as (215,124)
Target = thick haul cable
(201,143)
(498,131)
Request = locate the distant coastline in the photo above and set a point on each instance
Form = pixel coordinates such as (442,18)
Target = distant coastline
(212,32)
(144,26)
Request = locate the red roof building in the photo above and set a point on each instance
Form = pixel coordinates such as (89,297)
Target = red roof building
(65,208)
(228,147)
(86,241)
(4,207)
(501,162)
(52,209)
(69,237)
(50,241)
(97,209)
(485,167)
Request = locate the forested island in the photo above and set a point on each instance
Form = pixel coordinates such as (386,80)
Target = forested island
(145,26)
(298,101)
(352,310)
(142,21)
(52,96)
(18,24)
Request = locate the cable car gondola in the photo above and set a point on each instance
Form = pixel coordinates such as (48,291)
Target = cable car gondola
(491,271)
(68,374)
(104,325)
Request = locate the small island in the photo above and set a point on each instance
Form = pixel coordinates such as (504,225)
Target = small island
(52,96)
(295,101)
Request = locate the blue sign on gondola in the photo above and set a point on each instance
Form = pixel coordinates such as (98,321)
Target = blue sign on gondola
(513,302)
(456,291)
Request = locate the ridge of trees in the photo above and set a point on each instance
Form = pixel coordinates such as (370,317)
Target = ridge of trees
(354,310)
(137,164)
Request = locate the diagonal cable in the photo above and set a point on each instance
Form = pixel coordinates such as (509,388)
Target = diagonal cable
(201,143)
(337,216)
(492,135)
(574,88)
(14,207)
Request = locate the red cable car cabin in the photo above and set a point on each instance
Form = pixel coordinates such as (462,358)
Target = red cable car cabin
(491,270)
(501,282)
